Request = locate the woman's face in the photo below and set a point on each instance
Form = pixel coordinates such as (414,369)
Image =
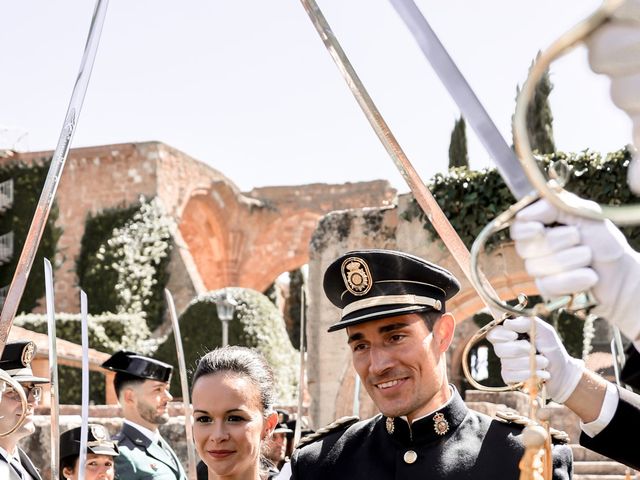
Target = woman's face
(229,424)
(98,467)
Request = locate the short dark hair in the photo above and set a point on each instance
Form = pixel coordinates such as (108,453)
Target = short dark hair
(123,380)
(242,361)
(430,317)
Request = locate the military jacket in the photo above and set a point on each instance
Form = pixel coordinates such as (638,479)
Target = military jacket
(142,459)
(613,441)
(453,443)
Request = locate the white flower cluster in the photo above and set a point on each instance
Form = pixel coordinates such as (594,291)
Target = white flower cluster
(138,248)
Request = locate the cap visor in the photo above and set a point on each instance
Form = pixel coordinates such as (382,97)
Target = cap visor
(104,450)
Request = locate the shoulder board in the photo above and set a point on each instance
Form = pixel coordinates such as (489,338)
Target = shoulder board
(340,424)
(512,417)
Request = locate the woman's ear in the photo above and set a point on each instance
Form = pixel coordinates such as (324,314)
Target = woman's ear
(67,472)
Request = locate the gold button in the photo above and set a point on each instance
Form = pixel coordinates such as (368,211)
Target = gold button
(410,456)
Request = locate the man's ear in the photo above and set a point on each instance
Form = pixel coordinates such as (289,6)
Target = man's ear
(443,331)
(128,395)
(270,425)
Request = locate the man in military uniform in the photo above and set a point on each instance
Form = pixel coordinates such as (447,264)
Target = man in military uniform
(142,387)
(393,311)
(16,362)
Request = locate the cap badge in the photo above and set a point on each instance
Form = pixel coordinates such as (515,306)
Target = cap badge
(27,354)
(98,432)
(356,276)
(440,424)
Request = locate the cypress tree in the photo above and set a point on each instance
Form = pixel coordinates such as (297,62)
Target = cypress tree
(540,118)
(458,156)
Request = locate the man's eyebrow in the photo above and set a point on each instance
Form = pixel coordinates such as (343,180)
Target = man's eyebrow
(384,329)
(355,337)
(392,326)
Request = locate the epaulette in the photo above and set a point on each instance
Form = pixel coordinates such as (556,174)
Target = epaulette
(512,417)
(340,424)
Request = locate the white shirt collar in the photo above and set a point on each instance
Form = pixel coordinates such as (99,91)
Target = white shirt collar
(8,456)
(153,436)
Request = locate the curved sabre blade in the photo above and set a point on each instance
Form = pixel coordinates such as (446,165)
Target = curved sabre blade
(191,451)
(34,235)
(84,408)
(53,368)
(467,101)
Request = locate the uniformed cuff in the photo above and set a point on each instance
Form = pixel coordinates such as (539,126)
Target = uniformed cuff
(609,406)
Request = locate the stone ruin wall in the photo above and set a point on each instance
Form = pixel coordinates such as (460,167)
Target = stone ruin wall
(224,237)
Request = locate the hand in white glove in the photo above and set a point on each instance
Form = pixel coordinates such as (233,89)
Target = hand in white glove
(614,49)
(561,372)
(579,255)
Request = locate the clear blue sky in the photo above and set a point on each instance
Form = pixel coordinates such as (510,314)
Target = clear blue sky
(247,86)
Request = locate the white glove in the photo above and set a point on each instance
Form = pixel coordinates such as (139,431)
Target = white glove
(614,49)
(561,372)
(580,255)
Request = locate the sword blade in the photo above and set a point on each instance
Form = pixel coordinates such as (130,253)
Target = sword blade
(84,408)
(473,111)
(186,402)
(38,224)
(297,431)
(53,369)
(423,196)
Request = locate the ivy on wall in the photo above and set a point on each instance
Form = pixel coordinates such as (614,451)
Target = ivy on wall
(256,323)
(107,333)
(471,199)
(124,258)
(28,181)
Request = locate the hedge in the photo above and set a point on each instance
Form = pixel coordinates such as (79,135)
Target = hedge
(107,333)
(256,323)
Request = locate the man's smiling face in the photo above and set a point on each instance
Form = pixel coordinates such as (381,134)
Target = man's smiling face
(400,363)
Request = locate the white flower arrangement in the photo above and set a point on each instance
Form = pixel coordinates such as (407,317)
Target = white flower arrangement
(138,248)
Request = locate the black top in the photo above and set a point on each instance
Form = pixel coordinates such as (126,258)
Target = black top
(613,441)
(474,446)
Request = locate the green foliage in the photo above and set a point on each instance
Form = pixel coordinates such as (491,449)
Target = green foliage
(458,156)
(471,199)
(107,333)
(540,118)
(256,323)
(96,276)
(124,258)
(27,187)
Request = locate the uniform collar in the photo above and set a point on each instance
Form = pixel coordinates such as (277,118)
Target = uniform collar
(433,427)
(152,436)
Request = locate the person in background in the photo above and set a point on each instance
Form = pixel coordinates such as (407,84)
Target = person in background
(100,453)
(142,387)
(16,362)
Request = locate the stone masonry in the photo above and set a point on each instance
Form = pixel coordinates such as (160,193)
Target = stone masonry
(225,237)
